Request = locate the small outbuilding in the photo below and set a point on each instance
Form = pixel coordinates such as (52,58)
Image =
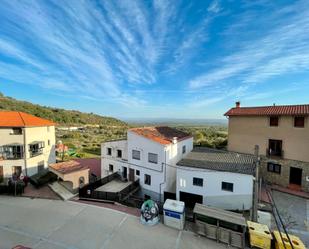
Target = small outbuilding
(216,178)
(72,173)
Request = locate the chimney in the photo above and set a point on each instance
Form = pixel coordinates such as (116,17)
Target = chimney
(238,104)
(174,140)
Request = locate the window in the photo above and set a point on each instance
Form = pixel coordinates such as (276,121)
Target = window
(227,186)
(109,151)
(136,154)
(274,167)
(273,121)
(274,148)
(17,131)
(152,158)
(36,148)
(111,168)
(299,122)
(198,181)
(183,149)
(12,152)
(119,153)
(147,179)
(47,128)
(48,142)
(137,172)
(182,182)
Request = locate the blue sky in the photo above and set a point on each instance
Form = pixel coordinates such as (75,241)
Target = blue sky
(149,59)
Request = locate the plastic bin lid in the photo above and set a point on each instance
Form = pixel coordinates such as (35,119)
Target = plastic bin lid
(297,243)
(259,229)
(173,205)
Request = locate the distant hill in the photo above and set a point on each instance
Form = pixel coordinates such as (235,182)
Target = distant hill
(60,116)
(176,122)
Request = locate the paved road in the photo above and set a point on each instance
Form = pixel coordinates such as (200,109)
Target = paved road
(295,213)
(47,224)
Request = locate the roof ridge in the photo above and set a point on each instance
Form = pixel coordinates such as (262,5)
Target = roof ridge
(19,113)
(264,106)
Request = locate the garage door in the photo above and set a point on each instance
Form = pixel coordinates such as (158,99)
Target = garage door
(190,199)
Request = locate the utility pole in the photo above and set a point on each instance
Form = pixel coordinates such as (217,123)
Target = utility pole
(256,184)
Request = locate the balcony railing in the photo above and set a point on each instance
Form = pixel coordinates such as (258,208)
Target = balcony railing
(11,152)
(34,153)
(11,156)
(274,153)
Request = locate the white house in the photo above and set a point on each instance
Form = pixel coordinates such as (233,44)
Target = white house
(216,178)
(27,144)
(150,154)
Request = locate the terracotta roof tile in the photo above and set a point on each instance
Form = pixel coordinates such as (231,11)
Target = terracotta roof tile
(68,167)
(21,119)
(283,110)
(161,134)
(94,164)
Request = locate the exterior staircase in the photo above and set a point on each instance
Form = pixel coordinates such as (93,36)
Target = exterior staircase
(61,191)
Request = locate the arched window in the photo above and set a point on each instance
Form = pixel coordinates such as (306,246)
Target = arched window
(81,181)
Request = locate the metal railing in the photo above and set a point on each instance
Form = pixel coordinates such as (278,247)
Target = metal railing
(89,191)
(273,153)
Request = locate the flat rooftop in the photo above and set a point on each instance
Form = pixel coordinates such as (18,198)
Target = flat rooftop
(113,186)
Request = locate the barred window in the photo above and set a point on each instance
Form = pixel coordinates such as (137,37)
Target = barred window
(274,167)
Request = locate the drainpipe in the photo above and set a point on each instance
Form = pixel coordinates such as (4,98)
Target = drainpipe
(256,184)
(25,151)
(164,174)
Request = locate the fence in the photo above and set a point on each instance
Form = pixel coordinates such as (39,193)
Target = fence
(89,191)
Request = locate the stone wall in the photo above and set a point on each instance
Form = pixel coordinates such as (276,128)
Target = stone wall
(283,179)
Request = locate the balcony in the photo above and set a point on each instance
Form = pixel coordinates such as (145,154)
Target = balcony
(274,153)
(11,152)
(34,153)
(36,148)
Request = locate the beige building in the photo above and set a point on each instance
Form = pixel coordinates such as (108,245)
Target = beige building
(27,144)
(73,174)
(282,133)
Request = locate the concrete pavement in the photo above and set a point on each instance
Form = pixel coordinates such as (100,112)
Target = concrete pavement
(294,211)
(40,223)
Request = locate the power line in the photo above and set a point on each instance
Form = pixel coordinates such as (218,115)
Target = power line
(274,208)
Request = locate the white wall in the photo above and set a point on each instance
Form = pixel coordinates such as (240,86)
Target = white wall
(174,155)
(106,160)
(145,146)
(29,135)
(167,155)
(213,195)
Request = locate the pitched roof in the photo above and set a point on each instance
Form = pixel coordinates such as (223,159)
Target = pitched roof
(219,160)
(279,110)
(94,164)
(161,134)
(21,119)
(68,167)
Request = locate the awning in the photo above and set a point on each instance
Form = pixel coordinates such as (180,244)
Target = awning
(220,214)
(36,142)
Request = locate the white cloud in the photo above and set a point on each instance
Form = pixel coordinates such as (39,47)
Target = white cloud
(283,49)
(214,6)
(94,49)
